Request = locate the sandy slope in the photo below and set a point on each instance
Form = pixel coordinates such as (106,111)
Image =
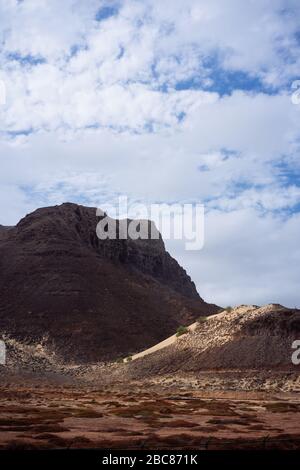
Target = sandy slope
(249,348)
(163,344)
(248,338)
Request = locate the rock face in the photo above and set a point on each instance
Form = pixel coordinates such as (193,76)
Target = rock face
(90,299)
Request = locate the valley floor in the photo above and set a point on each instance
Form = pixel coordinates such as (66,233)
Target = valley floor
(134,416)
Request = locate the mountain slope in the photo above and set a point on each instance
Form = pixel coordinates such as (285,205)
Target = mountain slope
(89,299)
(248,338)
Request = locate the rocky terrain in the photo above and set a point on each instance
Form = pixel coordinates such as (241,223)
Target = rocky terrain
(247,341)
(177,404)
(248,348)
(88,299)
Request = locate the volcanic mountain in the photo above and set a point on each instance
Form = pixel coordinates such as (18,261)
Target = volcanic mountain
(89,299)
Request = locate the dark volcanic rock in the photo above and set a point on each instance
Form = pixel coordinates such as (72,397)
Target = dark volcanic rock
(91,299)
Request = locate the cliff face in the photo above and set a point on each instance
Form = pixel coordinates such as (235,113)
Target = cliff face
(91,299)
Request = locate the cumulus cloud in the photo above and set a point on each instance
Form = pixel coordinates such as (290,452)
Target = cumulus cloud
(65,69)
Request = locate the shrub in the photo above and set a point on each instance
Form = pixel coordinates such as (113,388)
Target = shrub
(228,309)
(120,360)
(201,319)
(129,358)
(182,330)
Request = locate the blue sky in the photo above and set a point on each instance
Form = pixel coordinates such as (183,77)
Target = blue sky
(106,11)
(162,101)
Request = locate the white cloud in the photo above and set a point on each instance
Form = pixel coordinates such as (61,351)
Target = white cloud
(106,73)
(43,28)
(246,259)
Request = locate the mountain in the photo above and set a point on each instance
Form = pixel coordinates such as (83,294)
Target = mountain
(89,299)
(248,338)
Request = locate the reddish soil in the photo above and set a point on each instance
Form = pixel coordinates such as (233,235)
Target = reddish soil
(65,416)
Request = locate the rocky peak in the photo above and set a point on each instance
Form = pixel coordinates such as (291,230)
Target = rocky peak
(73,225)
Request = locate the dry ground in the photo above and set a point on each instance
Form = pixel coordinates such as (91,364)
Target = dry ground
(133,417)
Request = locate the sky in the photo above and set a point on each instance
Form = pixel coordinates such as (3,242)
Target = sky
(173,102)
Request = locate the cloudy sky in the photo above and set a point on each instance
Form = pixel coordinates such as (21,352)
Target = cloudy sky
(163,101)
